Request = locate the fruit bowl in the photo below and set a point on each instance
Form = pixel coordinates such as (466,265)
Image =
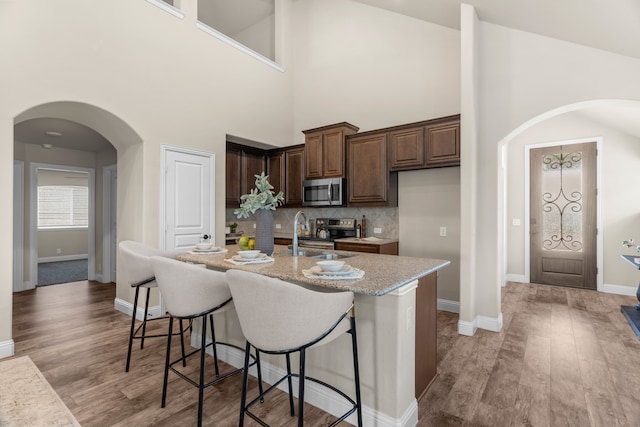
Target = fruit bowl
(330,265)
(203,246)
(248,254)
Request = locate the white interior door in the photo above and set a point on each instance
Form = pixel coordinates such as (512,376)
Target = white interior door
(188,196)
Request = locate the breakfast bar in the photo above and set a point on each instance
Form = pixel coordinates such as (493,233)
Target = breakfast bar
(395,308)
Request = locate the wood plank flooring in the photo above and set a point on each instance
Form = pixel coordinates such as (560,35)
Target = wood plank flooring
(565,357)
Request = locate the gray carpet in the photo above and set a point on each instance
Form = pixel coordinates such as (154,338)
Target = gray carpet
(52,273)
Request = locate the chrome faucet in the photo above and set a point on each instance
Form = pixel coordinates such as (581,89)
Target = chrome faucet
(294,248)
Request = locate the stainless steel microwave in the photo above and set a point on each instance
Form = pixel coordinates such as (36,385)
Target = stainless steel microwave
(324,192)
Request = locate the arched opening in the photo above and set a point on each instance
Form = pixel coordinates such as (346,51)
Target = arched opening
(69,136)
(615,124)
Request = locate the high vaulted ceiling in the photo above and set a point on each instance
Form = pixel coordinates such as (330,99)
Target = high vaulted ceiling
(612,25)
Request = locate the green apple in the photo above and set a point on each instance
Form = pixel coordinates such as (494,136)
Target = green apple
(243,242)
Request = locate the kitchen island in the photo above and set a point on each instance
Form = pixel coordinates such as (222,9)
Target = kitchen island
(395,308)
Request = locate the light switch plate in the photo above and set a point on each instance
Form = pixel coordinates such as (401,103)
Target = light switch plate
(377,230)
(443,231)
(278,226)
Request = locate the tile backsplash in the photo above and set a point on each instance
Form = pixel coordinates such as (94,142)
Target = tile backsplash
(384,218)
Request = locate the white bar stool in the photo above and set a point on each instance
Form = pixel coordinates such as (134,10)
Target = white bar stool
(136,263)
(190,292)
(279,317)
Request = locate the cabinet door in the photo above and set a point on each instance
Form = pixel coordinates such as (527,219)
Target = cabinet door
(368,173)
(443,144)
(333,153)
(233,178)
(313,155)
(253,164)
(294,162)
(406,149)
(276,171)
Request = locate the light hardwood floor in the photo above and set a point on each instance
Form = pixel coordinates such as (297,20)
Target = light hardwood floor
(565,357)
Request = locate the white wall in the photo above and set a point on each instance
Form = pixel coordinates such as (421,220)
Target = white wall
(369,67)
(620,211)
(430,199)
(167,80)
(523,75)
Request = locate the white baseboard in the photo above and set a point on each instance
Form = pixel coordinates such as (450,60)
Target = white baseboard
(315,394)
(127,308)
(620,289)
(448,305)
(518,278)
(62,258)
(467,328)
(98,278)
(493,324)
(7,349)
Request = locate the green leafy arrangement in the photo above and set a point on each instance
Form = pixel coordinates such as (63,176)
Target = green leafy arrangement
(629,243)
(260,197)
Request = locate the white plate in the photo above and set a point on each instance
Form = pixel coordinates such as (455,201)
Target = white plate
(210,250)
(345,270)
(242,259)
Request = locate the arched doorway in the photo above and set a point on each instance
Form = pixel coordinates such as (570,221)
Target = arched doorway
(615,122)
(99,130)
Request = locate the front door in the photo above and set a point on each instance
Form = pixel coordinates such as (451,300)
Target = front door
(563,215)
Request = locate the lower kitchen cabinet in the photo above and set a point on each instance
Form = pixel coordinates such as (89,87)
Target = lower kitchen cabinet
(385,248)
(426,332)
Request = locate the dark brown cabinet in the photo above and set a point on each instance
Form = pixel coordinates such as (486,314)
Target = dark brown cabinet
(285,168)
(385,248)
(406,148)
(242,164)
(428,144)
(294,163)
(443,144)
(324,150)
(369,180)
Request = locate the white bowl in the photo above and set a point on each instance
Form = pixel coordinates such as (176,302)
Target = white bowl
(248,254)
(203,246)
(330,265)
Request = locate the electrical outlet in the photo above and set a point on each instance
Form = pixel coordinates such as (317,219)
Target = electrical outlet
(58,251)
(278,226)
(377,230)
(443,231)
(254,226)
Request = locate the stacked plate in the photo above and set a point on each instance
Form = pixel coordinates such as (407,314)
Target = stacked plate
(211,250)
(333,270)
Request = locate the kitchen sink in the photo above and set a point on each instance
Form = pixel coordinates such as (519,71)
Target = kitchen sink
(329,256)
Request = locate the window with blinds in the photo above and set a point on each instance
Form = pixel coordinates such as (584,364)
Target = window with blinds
(63,206)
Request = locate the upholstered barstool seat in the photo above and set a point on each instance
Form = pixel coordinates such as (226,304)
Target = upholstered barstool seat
(135,260)
(191,292)
(278,317)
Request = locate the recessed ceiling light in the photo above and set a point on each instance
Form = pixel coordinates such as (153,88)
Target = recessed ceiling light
(52,134)
(47,146)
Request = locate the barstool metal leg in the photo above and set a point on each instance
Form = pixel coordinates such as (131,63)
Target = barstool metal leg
(259,369)
(245,383)
(203,346)
(213,344)
(301,390)
(167,362)
(133,327)
(144,319)
(184,357)
(356,369)
(291,406)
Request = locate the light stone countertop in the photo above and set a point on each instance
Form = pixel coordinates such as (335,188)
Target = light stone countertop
(383,273)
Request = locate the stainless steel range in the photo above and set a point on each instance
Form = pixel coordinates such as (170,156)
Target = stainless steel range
(326,231)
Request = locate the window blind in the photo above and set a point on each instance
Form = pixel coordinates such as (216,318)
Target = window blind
(63,206)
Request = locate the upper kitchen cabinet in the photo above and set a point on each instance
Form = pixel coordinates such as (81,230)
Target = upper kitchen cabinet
(285,168)
(427,144)
(443,143)
(369,180)
(242,164)
(324,150)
